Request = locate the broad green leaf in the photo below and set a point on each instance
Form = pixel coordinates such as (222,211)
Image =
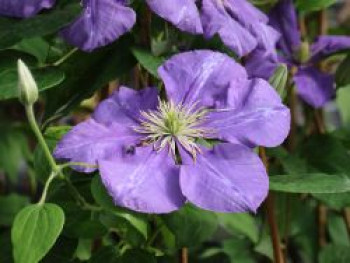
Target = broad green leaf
(239,250)
(82,79)
(342,76)
(240,223)
(35,230)
(310,183)
(150,62)
(46,78)
(337,230)
(335,201)
(313,5)
(36,47)
(334,254)
(326,154)
(14,150)
(101,196)
(191,226)
(10,205)
(14,30)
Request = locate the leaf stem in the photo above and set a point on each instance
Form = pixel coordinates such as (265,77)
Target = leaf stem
(46,187)
(65,57)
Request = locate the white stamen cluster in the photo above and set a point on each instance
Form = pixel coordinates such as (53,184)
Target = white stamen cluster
(171,124)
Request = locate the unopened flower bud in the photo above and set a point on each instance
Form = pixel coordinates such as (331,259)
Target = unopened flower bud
(28,90)
(279,79)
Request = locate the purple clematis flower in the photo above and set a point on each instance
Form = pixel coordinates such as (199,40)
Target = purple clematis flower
(23,8)
(148,150)
(314,86)
(101,22)
(241,26)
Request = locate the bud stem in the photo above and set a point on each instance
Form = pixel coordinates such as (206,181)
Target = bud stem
(33,124)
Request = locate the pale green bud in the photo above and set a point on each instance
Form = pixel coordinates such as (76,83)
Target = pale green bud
(279,79)
(28,90)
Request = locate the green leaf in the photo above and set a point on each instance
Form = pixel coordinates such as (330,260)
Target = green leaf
(36,47)
(138,255)
(14,30)
(10,205)
(35,231)
(326,154)
(46,78)
(101,196)
(239,250)
(191,226)
(334,254)
(310,183)
(313,5)
(150,62)
(105,254)
(240,223)
(337,230)
(335,201)
(342,76)
(81,79)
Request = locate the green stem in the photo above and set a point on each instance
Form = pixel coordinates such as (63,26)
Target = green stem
(87,165)
(65,57)
(33,124)
(47,184)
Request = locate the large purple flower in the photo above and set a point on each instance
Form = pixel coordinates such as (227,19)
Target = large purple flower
(241,26)
(314,86)
(101,22)
(23,8)
(149,151)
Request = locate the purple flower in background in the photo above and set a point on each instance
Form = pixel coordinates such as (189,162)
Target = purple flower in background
(241,26)
(23,8)
(101,23)
(148,150)
(314,86)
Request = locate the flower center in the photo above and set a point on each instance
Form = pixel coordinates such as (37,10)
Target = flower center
(172,125)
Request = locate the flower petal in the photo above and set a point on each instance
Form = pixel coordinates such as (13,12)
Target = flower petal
(202,77)
(182,13)
(328,45)
(216,20)
(229,178)
(261,65)
(125,104)
(314,87)
(23,8)
(145,182)
(283,17)
(259,119)
(89,141)
(102,22)
(255,21)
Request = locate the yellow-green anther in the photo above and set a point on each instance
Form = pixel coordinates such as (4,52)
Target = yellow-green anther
(27,88)
(279,79)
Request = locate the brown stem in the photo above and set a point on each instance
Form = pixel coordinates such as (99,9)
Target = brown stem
(271,217)
(184,255)
(322,222)
(323,22)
